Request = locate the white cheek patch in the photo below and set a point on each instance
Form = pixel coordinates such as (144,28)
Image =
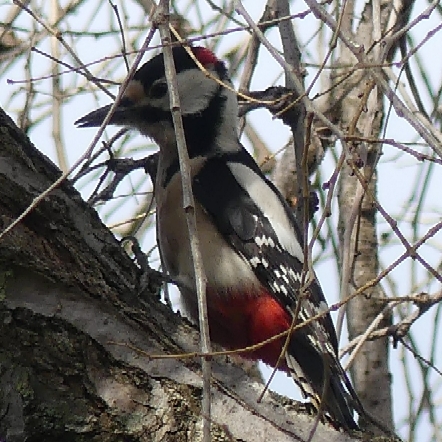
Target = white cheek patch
(196,91)
(270,205)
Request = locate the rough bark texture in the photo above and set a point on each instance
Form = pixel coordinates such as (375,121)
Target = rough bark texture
(73,323)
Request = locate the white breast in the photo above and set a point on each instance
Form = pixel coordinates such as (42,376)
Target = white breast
(225,270)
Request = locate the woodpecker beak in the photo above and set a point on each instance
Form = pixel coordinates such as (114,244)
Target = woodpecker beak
(94,118)
(122,115)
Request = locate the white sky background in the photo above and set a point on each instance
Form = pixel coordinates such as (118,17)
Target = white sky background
(397,173)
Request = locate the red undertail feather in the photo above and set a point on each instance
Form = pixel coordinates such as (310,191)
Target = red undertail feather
(239,320)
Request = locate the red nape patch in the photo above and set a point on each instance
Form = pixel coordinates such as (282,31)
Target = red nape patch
(240,320)
(205,56)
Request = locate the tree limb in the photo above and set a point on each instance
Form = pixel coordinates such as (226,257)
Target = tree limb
(75,336)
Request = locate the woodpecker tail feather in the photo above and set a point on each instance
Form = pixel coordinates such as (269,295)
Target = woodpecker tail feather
(338,400)
(327,388)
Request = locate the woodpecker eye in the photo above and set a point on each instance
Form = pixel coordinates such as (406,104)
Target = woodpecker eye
(158,90)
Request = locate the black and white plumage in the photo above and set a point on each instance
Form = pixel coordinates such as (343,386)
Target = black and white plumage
(249,238)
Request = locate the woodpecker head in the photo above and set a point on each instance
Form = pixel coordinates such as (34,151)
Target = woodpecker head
(209,110)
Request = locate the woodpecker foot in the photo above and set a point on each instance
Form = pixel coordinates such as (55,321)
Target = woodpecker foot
(150,280)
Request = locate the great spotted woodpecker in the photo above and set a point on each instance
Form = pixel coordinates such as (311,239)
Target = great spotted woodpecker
(249,239)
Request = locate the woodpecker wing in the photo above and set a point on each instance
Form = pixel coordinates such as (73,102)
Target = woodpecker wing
(251,214)
(257,235)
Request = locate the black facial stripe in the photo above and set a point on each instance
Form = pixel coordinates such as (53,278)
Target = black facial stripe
(200,129)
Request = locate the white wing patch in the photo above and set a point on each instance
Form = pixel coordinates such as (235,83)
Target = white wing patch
(284,273)
(265,263)
(255,261)
(270,205)
(264,240)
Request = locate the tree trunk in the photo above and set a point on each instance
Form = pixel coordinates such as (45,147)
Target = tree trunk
(76,333)
(358,109)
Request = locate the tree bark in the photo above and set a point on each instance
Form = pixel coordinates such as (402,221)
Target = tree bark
(76,333)
(358,108)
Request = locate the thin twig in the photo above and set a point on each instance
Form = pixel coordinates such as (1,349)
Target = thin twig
(161,20)
(57,94)
(427,131)
(91,146)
